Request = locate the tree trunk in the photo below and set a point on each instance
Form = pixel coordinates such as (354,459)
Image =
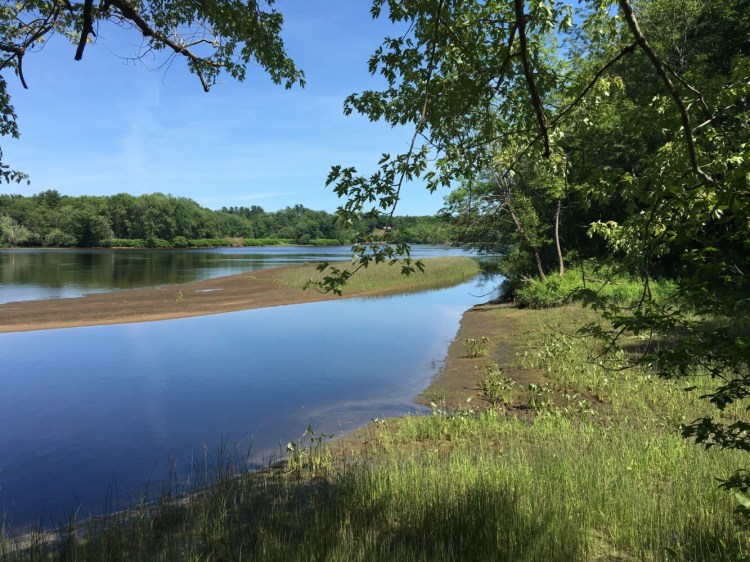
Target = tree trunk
(522,232)
(560,262)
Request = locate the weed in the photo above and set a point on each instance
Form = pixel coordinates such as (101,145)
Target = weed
(474,347)
(314,458)
(539,397)
(496,387)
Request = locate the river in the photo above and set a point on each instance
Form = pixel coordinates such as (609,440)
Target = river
(92,418)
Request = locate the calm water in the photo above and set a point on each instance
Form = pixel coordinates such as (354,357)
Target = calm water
(50,274)
(83,408)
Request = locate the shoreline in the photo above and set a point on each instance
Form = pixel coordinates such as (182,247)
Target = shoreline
(231,293)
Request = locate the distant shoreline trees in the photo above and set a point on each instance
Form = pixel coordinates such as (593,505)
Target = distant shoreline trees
(156,220)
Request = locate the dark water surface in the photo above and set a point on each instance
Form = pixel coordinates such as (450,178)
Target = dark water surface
(36,274)
(83,408)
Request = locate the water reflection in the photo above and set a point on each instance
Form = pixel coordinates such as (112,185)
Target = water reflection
(60,273)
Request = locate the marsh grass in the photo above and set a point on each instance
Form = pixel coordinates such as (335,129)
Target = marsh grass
(594,469)
(439,272)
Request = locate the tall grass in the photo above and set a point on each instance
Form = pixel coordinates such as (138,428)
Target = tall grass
(588,282)
(439,272)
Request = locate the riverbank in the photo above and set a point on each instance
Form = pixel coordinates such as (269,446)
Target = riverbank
(258,289)
(572,459)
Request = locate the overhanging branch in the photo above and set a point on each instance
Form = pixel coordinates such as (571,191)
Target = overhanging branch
(663,73)
(536,99)
(129,13)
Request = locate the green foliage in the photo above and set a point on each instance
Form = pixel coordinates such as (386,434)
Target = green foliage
(591,283)
(620,135)
(496,387)
(158,243)
(312,458)
(127,243)
(180,242)
(56,238)
(323,242)
(208,243)
(475,347)
(12,233)
(166,221)
(267,241)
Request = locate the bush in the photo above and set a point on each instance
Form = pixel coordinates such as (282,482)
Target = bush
(324,242)
(598,282)
(157,243)
(209,243)
(180,242)
(59,239)
(127,243)
(547,293)
(267,241)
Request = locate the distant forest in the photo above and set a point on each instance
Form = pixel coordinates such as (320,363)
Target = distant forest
(49,219)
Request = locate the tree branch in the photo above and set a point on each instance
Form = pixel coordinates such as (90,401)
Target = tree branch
(129,13)
(663,73)
(624,51)
(87,27)
(536,99)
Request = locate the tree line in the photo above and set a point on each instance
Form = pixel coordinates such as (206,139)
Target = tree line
(49,219)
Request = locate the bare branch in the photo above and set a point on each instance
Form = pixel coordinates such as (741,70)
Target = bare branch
(18,51)
(129,13)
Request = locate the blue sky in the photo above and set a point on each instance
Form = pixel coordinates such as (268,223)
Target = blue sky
(107,125)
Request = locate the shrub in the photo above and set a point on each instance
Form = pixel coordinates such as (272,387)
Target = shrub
(209,243)
(324,242)
(58,238)
(496,387)
(267,241)
(157,243)
(591,283)
(180,242)
(474,347)
(127,243)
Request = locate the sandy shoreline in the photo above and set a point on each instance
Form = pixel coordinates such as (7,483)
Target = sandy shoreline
(256,289)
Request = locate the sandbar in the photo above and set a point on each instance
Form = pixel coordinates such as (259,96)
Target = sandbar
(256,289)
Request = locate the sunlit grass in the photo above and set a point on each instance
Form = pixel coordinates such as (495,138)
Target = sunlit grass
(438,272)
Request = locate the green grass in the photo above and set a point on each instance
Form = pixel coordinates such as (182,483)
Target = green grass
(595,470)
(439,272)
(586,283)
